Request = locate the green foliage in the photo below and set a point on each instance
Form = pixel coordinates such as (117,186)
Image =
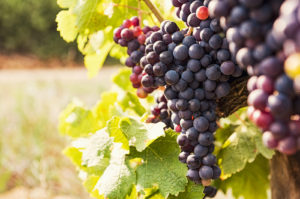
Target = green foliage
(242,157)
(29,26)
(93,22)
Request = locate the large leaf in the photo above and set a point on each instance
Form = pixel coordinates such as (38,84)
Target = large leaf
(161,166)
(251,183)
(240,143)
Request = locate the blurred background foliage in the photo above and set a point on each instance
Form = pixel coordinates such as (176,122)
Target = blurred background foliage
(29,27)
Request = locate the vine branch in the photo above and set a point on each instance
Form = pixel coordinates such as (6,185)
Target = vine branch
(154,10)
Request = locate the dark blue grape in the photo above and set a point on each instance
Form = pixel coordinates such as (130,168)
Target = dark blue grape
(193,162)
(187,94)
(222,90)
(200,150)
(192,134)
(171,77)
(187,76)
(196,51)
(194,65)
(180,52)
(206,139)
(209,160)
(201,124)
(206,172)
(194,105)
(213,72)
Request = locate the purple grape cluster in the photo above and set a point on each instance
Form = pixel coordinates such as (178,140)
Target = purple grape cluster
(260,41)
(195,74)
(132,36)
(160,111)
(247,24)
(187,11)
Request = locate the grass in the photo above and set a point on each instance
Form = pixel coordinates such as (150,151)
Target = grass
(30,145)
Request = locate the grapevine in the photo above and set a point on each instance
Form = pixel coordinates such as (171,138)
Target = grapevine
(192,70)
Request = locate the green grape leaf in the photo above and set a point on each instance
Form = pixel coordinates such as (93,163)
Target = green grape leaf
(240,143)
(251,183)
(76,121)
(161,166)
(122,79)
(139,134)
(66,25)
(66,3)
(131,101)
(118,178)
(192,191)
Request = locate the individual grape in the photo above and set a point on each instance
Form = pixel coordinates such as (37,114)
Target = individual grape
(171,77)
(223,55)
(218,8)
(181,104)
(288,145)
(280,106)
(181,85)
(210,191)
(271,67)
(152,58)
(187,76)
(262,119)
(206,172)
(193,20)
(194,105)
(200,75)
(171,27)
(187,94)
(196,51)
(170,94)
(202,13)
(265,83)
(193,175)
(192,134)
(159,46)
(200,150)
(258,98)
(215,42)
(209,160)
(284,85)
(180,52)
(182,140)
(227,68)
(206,138)
(212,72)
(183,157)
(186,124)
(201,124)
(210,85)
(193,162)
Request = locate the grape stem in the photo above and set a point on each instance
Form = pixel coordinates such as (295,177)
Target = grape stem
(154,10)
(190,31)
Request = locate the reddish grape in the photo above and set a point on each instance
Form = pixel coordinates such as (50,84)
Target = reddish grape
(137,70)
(137,31)
(134,78)
(294,127)
(127,23)
(202,13)
(178,128)
(127,34)
(146,29)
(265,83)
(142,39)
(262,119)
(135,21)
(117,32)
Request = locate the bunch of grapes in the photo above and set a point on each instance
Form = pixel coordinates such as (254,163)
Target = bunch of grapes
(131,35)
(261,42)
(160,111)
(191,11)
(195,74)
(248,24)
